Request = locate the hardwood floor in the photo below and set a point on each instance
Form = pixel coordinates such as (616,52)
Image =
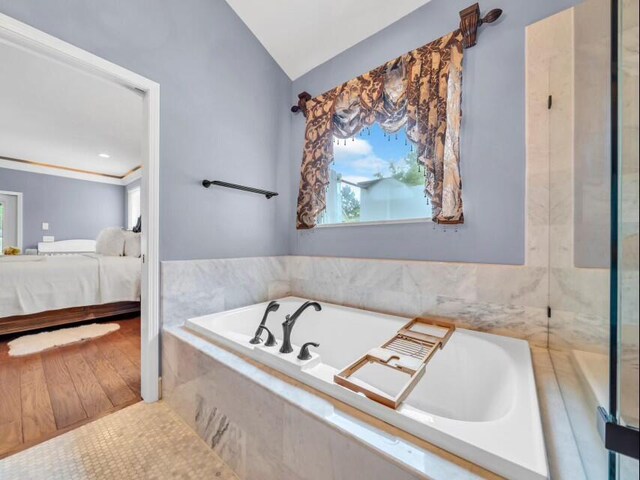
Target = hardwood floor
(46,394)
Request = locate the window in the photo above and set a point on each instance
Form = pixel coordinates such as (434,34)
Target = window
(375,177)
(133,207)
(10,220)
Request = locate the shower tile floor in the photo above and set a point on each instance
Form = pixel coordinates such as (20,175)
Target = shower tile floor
(143,441)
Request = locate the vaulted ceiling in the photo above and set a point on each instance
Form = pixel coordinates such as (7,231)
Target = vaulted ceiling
(302,34)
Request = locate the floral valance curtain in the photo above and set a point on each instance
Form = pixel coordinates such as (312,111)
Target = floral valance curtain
(421,91)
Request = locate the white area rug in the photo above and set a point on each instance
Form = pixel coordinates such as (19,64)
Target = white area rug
(40,342)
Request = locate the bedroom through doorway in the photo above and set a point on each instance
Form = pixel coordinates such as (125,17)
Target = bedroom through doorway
(79,327)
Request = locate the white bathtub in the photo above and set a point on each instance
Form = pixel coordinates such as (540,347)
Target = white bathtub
(477,398)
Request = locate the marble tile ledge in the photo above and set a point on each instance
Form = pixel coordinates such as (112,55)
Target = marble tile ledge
(411,454)
(562,450)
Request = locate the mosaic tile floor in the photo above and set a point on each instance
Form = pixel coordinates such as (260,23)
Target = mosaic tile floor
(144,441)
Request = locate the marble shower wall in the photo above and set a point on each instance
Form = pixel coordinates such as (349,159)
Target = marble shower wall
(196,287)
(579,297)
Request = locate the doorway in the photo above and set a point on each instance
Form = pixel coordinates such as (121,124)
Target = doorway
(28,38)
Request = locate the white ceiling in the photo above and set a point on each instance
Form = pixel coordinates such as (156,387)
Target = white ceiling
(53,113)
(302,34)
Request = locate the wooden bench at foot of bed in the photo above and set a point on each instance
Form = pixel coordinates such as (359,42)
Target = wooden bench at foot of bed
(51,318)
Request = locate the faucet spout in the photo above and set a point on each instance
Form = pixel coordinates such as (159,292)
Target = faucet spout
(290,321)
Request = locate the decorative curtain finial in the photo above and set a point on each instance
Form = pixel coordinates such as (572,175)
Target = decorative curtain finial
(303,98)
(470,21)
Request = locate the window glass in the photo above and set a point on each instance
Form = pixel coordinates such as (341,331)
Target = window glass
(375,177)
(133,206)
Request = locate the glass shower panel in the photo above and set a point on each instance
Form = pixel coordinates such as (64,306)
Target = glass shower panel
(628,278)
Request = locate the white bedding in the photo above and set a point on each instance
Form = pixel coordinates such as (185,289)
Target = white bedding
(67,281)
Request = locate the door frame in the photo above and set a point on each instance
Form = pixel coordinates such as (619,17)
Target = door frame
(18,196)
(24,36)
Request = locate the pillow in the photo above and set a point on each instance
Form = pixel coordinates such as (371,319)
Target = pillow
(110,242)
(132,246)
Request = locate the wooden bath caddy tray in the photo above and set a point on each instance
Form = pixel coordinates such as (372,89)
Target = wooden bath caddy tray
(408,352)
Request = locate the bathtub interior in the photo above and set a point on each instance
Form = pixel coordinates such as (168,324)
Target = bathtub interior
(456,384)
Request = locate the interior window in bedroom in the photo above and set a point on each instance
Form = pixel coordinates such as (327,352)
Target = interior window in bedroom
(133,206)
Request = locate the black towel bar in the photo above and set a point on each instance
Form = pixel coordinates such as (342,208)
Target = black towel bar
(266,193)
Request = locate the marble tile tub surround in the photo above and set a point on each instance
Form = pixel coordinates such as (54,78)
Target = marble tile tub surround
(501,299)
(260,423)
(196,287)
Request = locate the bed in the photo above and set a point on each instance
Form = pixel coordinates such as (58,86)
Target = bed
(38,291)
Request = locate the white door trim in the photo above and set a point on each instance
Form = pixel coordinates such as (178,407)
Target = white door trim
(18,196)
(24,36)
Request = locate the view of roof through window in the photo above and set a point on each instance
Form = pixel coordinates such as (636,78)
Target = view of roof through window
(375,177)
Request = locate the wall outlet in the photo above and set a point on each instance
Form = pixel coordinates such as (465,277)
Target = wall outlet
(45,226)
(48,238)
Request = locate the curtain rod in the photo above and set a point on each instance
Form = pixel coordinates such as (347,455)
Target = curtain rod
(470,20)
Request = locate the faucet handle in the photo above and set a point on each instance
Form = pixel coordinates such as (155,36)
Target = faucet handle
(271,340)
(304,350)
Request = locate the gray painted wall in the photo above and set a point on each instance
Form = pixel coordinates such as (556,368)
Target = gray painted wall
(492,144)
(225,115)
(73,208)
(223,111)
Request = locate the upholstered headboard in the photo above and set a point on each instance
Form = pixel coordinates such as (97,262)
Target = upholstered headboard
(66,247)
